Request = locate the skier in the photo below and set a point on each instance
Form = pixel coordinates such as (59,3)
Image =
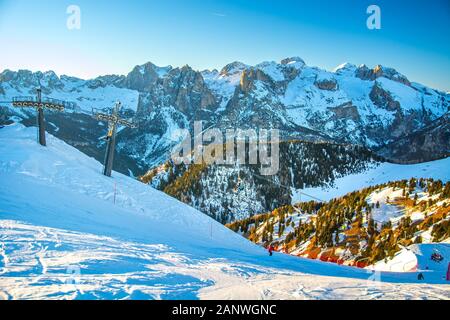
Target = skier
(420,276)
(270,249)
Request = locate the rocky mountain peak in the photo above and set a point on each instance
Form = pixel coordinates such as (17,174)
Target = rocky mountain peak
(108,80)
(365,73)
(345,68)
(293,61)
(233,68)
(26,78)
(249,76)
(142,77)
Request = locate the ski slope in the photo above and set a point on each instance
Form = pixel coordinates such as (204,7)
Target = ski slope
(67,232)
(378,174)
(417,257)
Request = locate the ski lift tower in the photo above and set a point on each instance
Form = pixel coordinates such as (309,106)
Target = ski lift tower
(113,120)
(40,104)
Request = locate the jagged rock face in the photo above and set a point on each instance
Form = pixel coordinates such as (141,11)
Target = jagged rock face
(142,78)
(188,90)
(184,89)
(326,84)
(249,77)
(346,111)
(357,105)
(405,122)
(233,68)
(383,99)
(364,73)
(26,81)
(104,81)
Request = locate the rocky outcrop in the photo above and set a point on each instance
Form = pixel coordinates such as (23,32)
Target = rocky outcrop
(326,84)
(364,73)
(233,68)
(293,61)
(143,77)
(249,77)
(187,90)
(109,80)
(346,111)
(383,99)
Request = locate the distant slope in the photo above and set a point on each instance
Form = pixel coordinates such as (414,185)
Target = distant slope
(362,228)
(429,143)
(385,172)
(418,257)
(63,236)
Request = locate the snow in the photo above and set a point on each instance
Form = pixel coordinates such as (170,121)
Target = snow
(68,232)
(345,68)
(78,91)
(163,71)
(386,211)
(272,69)
(405,260)
(378,174)
(294,62)
(409,98)
(417,257)
(222,85)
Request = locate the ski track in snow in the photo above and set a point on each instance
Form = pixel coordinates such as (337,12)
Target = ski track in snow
(38,267)
(62,237)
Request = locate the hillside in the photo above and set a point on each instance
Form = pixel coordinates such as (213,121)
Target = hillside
(308,171)
(433,141)
(379,174)
(67,232)
(230,192)
(362,228)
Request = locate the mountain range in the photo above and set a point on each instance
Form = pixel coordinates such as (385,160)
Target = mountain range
(333,123)
(378,108)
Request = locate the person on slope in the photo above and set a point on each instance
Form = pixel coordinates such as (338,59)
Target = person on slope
(270,249)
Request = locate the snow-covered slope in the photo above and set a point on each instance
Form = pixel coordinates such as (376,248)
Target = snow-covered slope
(378,174)
(99,93)
(417,257)
(66,231)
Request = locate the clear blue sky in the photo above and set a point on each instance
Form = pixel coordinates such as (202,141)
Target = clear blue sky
(116,35)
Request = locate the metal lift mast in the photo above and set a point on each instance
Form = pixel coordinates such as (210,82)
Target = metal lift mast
(39,104)
(113,120)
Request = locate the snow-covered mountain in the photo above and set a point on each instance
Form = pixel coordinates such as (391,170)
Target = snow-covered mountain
(374,107)
(67,231)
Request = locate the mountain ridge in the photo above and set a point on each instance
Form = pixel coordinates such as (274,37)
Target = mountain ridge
(353,104)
